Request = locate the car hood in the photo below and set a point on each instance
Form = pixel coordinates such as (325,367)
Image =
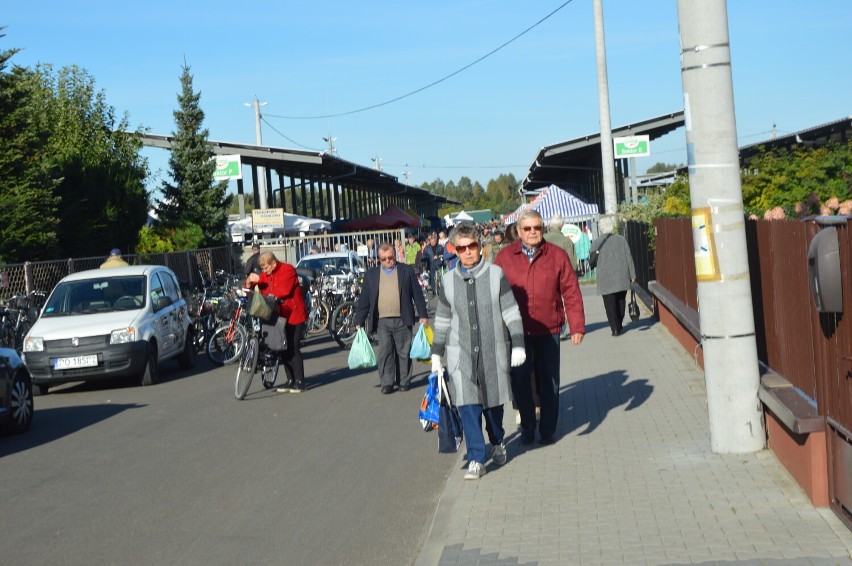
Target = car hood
(95,324)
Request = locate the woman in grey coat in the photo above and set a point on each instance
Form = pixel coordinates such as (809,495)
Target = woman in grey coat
(615,273)
(478,327)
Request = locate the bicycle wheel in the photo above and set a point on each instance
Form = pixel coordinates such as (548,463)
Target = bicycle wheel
(246,368)
(342,325)
(226,345)
(318,318)
(269,374)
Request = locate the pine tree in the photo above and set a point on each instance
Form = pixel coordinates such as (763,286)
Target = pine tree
(28,230)
(193,197)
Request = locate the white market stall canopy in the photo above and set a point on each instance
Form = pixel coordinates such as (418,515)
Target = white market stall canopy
(554,201)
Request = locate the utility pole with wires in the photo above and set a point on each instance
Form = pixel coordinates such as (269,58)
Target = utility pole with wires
(261,171)
(607,157)
(731,371)
(378,161)
(330,141)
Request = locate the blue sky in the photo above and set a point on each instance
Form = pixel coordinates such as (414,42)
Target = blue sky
(308,58)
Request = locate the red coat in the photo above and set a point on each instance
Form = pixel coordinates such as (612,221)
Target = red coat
(283,283)
(541,286)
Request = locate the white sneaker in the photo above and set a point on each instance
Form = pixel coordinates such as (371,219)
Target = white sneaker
(475,470)
(499,454)
(517,417)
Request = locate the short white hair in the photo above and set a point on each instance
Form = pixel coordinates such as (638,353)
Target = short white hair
(556,222)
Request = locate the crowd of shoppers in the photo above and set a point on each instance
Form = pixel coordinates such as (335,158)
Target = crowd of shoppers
(504,300)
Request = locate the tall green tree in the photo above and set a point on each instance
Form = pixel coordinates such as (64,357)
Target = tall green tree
(103,200)
(193,197)
(29,227)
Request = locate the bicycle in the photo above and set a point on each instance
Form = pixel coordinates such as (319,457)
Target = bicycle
(229,340)
(256,351)
(343,324)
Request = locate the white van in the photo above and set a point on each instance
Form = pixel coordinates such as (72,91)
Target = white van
(107,323)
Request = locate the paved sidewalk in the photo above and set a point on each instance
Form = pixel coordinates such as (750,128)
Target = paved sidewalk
(631,479)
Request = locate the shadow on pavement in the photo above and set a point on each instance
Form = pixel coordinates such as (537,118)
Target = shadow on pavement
(55,423)
(589,401)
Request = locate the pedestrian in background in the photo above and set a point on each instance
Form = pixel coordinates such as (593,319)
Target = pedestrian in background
(554,236)
(434,253)
(251,263)
(399,250)
(279,280)
(614,273)
(478,315)
(390,298)
(546,289)
(412,248)
(114,260)
(511,233)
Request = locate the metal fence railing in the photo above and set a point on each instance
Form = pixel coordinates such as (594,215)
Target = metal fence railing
(190,266)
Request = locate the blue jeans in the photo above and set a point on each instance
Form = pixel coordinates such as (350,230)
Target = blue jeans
(543,359)
(471,418)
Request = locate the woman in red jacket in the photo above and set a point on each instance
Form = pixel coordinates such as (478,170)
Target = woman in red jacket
(280,281)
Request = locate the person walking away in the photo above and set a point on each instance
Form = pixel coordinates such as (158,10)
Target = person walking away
(541,277)
(435,255)
(583,247)
(412,248)
(615,273)
(280,280)
(477,313)
(554,236)
(114,260)
(252,265)
(389,299)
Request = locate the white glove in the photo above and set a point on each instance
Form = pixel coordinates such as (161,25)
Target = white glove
(436,364)
(519,356)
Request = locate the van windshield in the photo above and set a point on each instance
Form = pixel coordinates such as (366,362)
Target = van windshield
(101,294)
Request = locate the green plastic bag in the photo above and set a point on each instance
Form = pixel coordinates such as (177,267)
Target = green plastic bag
(361,355)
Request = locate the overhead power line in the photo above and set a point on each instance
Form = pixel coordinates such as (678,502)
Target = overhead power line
(430,85)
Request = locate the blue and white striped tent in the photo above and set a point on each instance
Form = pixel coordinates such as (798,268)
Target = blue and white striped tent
(554,201)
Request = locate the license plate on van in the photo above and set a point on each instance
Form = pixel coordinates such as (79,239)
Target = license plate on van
(75,362)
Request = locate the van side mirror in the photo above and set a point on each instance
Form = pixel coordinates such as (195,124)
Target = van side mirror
(824,271)
(163,302)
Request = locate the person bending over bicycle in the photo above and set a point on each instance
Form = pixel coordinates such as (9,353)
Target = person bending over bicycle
(280,280)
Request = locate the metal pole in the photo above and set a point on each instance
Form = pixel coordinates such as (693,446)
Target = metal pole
(261,172)
(607,158)
(634,186)
(721,258)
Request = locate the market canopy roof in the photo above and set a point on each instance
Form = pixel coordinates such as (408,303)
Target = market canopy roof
(309,167)
(392,217)
(554,201)
(576,164)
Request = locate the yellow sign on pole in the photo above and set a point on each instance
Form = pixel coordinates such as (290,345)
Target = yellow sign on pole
(706,262)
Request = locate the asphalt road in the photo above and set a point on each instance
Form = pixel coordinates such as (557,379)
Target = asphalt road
(183,473)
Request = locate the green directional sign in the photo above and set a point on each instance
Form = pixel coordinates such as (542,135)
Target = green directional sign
(227,167)
(633,146)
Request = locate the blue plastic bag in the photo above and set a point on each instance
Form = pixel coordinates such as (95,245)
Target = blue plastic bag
(420,347)
(430,407)
(362,355)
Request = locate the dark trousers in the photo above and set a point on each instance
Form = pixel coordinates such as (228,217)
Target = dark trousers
(394,346)
(291,358)
(543,359)
(471,418)
(615,304)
